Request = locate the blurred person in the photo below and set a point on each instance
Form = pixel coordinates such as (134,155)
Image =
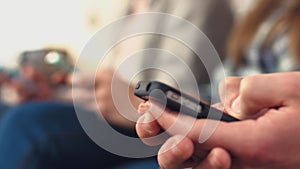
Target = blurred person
(82,90)
(49,70)
(207,15)
(4,76)
(52,70)
(25,90)
(4,79)
(21,89)
(48,61)
(43,75)
(264,41)
(45,132)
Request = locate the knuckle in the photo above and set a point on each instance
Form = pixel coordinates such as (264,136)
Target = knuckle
(228,88)
(246,83)
(227,83)
(247,86)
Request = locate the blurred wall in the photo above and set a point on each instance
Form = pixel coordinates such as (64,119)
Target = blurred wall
(30,24)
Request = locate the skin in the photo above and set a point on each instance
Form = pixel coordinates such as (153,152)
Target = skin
(266,138)
(104,96)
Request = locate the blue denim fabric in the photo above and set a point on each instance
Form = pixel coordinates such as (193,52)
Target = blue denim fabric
(47,135)
(144,164)
(3,109)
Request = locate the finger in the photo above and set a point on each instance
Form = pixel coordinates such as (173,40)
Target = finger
(176,153)
(226,135)
(147,127)
(229,91)
(144,107)
(227,88)
(219,106)
(256,93)
(218,158)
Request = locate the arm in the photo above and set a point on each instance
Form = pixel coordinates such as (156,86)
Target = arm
(115,95)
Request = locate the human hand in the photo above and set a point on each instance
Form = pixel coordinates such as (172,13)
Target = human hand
(267,139)
(122,96)
(178,151)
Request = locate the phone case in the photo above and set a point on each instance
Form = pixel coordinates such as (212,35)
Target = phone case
(178,101)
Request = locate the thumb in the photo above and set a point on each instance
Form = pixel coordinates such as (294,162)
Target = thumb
(255,94)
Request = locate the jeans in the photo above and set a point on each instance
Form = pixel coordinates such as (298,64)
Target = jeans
(47,135)
(3,109)
(144,164)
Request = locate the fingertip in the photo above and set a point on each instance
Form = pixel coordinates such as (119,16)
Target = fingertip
(219,106)
(183,147)
(177,147)
(146,126)
(220,158)
(175,151)
(143,107)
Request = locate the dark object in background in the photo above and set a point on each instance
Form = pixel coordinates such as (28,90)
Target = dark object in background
(49,69)
(48,61)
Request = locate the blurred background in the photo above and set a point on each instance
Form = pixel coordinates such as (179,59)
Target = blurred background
(34,24)
(64,25)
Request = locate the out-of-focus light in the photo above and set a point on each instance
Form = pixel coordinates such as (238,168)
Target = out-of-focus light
(52,58)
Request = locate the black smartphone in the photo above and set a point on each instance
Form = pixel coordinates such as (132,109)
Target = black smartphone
(178,101)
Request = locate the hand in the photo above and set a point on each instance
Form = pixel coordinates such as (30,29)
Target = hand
(179,151)
(269,140)
(186,154)
(122,96)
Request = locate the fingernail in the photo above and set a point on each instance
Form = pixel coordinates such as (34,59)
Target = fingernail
(141,111)
(141,119)
(236,106)
(144,122)
(147,118)
(147,127)
(143,108)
